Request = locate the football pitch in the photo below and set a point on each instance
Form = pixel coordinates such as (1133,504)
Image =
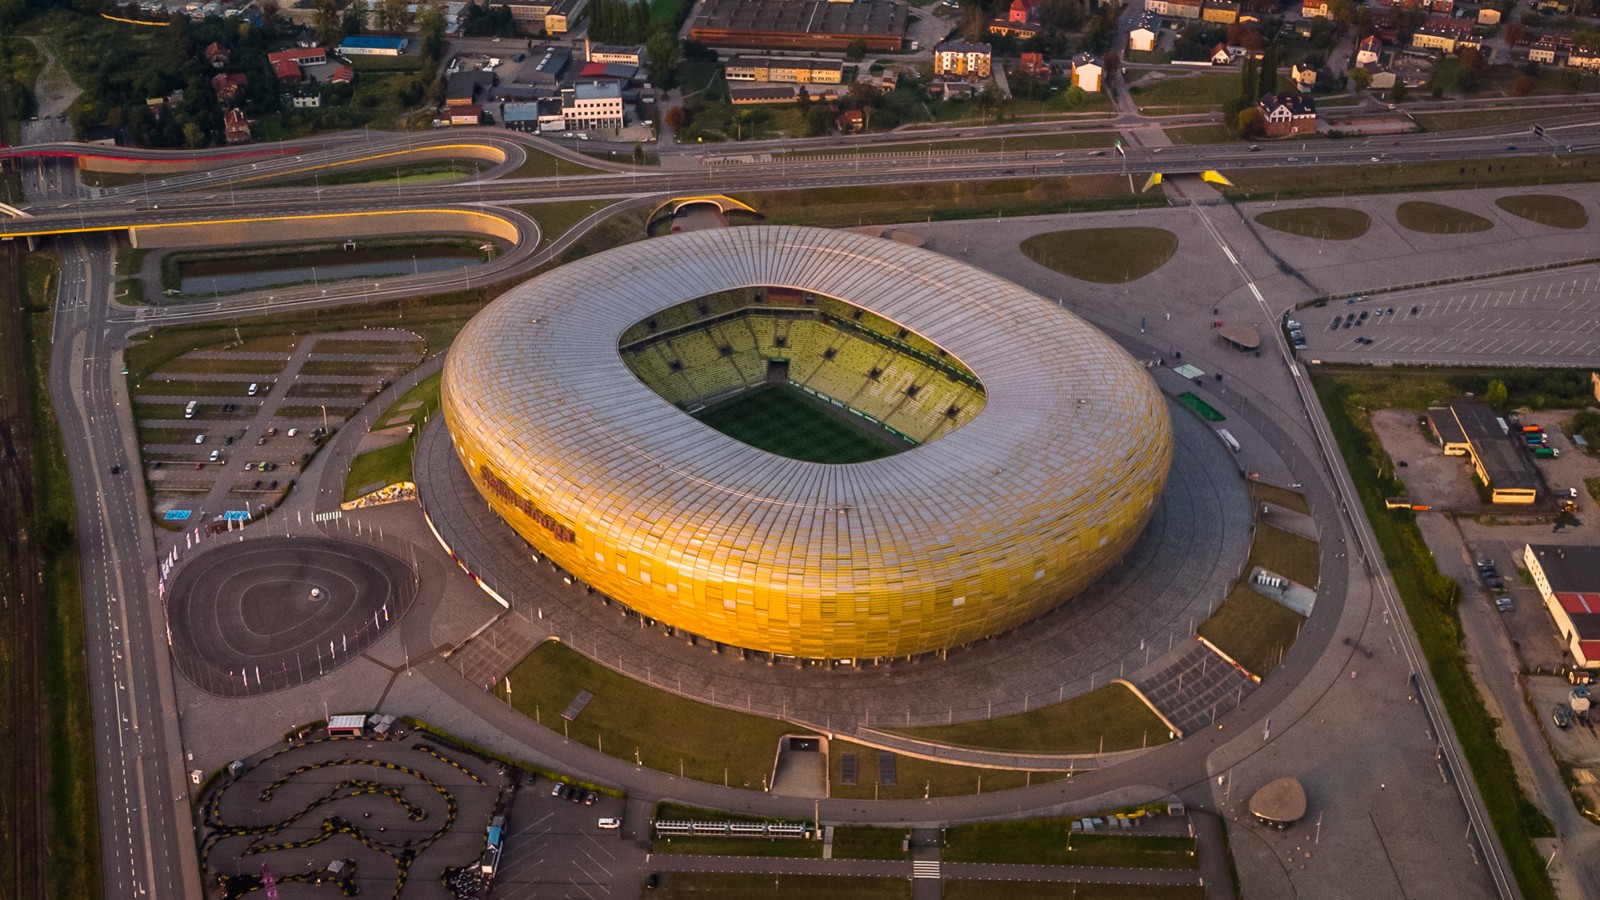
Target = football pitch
(784,421)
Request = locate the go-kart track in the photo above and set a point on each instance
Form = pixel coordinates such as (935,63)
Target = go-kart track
(264,615)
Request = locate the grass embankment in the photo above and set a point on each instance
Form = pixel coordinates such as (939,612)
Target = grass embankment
(556,219)
(129,287)
(1465,119)
(1255,630)
(545,165)
(1109,718)
(916,778)
(436,318)
(1287,498)
(1185,94)
(20,65)
(48,642)
(1436,218)
(1433,175)
(788,848)
(1546,209)
(1068,890)
(1051,842)
(1431,601)
(1285,553)
(1078,140)
(1202,134)
(633,721)
(422,170)
(846,206)
(738,886)
(1329,223)
(392,464)
(866,842)
(1103,255)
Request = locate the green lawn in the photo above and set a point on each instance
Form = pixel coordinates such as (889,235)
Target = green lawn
(1202,134)
(201,365)
(1285,553)
(915,778)
(740,886)
(1201,408)
(1109,718)
(1324,181)
(1081,140)
(423,170)
(1051,842)
(1546,209)
(1067,890)
(844,207)
(1282,496)
(670,733)
(1186,94)
(1329,223)
(786,422)
(733,846)
(1436,218)
(392,464)
(543,165)
(1457,121)
(1103,255)
(1254,630)
(556,219)
(866,842)
(160,387)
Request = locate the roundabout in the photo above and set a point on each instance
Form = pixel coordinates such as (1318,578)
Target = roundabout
(276,612)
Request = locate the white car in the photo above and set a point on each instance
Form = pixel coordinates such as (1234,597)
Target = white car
(610,824)
(199,439)
(216,455)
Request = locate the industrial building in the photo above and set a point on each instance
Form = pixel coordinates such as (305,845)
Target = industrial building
(800,24)
(1471,429)
(1568,579)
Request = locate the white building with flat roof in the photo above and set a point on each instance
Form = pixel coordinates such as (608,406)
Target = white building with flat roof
(590,105)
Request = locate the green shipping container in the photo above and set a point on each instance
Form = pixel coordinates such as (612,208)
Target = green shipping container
(1544,453)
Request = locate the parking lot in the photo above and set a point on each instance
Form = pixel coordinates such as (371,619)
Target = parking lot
(1544,318)
(555,848)
(261,410)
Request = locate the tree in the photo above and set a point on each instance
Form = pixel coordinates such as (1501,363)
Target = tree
(856,51)
(1076,97)
(1398,92)
(392,15)
(1495,396)
(974,24)
(1269,72)
(193,136)
(818,118)
(1523,86)
(1361,78)
(327,24)
(430,22)
(676,118)
(1250,122)
(1249,80)
(662,51)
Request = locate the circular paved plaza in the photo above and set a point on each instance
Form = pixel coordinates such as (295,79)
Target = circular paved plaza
(268,614)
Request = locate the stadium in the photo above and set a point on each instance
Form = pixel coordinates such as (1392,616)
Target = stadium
(807,443)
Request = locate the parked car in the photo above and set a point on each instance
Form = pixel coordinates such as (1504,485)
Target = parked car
(1504,604)
(1561,716)
(557,789)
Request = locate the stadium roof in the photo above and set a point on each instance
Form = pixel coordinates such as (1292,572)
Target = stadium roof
(1025,505)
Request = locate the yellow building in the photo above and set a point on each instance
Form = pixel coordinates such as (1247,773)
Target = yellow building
(960,59)
(784,71)
(1032,448)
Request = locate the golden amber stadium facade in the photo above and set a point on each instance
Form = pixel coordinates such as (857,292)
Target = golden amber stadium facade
(995,522)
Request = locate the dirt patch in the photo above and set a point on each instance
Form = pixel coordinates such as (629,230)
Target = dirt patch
(377,440)
(55,88)
(1431,478)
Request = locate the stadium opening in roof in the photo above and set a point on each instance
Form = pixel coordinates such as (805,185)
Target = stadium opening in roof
(807,443)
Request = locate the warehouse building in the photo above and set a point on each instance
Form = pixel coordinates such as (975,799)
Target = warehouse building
(1471,429)
(800,24)
(1568,579)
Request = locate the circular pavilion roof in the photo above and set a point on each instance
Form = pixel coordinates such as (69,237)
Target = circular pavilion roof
(977,531)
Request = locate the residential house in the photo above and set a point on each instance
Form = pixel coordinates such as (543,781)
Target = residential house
(217,55)
(1442,7)
(1585,59)
(1312,9)
(342,75)
(471,114)
(1144,34)
(306,100)
(1222,12)
(1488,16)
(1368,50)
(1288,114)
(961,59)
(1220,55)
(1303,76)
(287,65)
(1034,64)
(1157,7)
(1446,35)
(235,127)
(784,71)
(1088,71)
(227,86)
(1184,9)
(851,121)
(1550,49)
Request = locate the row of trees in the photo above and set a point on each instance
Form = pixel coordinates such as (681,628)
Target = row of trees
(619,21)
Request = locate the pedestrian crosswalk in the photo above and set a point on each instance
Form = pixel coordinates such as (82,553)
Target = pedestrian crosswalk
(925,868)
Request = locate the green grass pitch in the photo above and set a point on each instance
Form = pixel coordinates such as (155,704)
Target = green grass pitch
(784,421)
